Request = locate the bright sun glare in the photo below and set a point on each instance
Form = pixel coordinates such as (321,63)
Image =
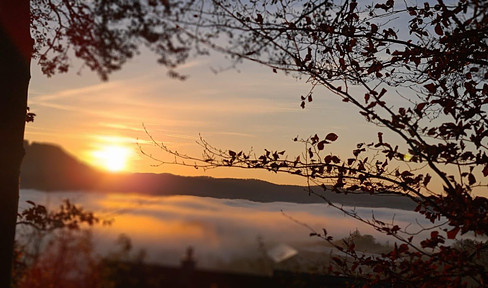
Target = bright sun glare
(112,158)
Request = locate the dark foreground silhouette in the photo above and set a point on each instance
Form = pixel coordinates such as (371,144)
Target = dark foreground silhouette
(189,276)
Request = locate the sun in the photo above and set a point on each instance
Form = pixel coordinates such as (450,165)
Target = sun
(112,158)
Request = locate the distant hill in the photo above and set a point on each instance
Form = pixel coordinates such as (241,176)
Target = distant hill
(49,168)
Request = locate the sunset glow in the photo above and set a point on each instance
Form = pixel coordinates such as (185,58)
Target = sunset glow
(112,158)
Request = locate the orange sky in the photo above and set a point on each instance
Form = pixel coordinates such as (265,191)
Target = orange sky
(252,107)
(239,109)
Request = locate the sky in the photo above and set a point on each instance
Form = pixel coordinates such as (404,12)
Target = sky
(239,109)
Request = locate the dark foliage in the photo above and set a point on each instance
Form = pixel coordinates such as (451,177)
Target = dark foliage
(105,34)
(102,34)
(433,144)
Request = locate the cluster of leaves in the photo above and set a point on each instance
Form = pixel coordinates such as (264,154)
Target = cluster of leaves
(437,67)
(68,216)
(40,263)
(405,267)
(105,34)
(52,237)
(59,251)
(66,260)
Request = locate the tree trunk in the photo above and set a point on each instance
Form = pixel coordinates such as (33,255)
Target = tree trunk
(15,55)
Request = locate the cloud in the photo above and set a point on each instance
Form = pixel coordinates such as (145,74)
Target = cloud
(217,228)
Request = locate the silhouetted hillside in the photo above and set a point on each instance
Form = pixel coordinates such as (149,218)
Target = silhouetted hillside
(49,168)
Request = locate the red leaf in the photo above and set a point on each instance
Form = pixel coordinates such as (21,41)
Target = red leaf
(331,137)
(419,107)
(320,145)
(374,28)
(259,19)
(452,233)
(438,29)
(427,179)
(485,171)
(366,97)
(431,87)
(342,62)
(327,159)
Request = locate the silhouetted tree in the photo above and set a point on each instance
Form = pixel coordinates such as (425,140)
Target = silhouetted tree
(103,34)
(435,56)
(55,248)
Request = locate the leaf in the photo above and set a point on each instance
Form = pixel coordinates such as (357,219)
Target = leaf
(471,179)
(452,233)
(374,28)
(366,97)
(331,137)
(327,159)
(431,87)
(320,145)
(427,179)
(406,174)
(315,139)
(438,29)
(342,62)
(485,171)
(296,161)
(380,137)
(259,19)
(420,106)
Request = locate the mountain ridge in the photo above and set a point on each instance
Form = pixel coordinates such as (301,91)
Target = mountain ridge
(48,167)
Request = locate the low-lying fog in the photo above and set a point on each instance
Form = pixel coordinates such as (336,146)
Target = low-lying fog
(219,229)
